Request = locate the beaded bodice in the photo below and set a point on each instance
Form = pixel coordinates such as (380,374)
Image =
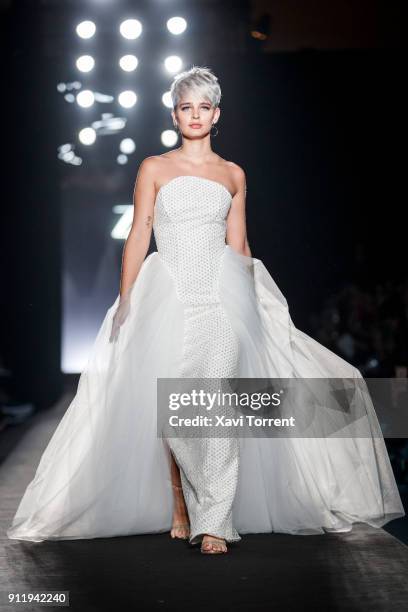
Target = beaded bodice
(189,228)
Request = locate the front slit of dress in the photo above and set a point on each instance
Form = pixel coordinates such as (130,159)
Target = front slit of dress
(208,465)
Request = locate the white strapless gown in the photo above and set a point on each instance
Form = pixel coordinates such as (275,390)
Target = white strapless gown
(200,309)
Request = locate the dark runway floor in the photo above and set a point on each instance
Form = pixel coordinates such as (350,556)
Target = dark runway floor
(366,569)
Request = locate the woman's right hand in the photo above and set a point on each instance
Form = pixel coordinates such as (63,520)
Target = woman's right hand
(120,315)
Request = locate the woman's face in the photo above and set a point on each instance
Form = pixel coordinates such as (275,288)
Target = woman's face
(195,115)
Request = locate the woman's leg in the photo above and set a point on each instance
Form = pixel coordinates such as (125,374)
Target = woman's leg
(181,524)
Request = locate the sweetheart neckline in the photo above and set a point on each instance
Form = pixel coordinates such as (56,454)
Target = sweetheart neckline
(203,178)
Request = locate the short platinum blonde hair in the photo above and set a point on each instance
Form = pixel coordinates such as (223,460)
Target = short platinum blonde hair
(198,79)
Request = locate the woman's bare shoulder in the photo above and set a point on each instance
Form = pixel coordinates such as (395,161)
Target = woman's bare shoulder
(237,172)
(151,163)
(157,164)
(236,175)
(152,167)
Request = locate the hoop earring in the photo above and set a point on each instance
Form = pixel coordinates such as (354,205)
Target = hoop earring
(213,125)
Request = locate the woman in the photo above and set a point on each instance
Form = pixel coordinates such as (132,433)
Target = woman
(201,307)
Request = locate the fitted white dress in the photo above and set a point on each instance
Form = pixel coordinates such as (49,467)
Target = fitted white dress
(199,309)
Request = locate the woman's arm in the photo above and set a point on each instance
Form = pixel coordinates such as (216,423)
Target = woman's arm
(138,240)
(236,235)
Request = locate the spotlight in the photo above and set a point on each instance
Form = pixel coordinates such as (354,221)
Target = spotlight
(169,138)
(69,156)
(122,159)
(85,63)
(166,99)
(176,25)
(103,98)
(127,99)
(173,63)
(108,124)
(128,63)
(261,29)
(87,136)
(127,146)
(85,98)
(130,29)
(65,148)
(86,29)
(61,87)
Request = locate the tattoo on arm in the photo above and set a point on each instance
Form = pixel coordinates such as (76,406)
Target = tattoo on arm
(149,220)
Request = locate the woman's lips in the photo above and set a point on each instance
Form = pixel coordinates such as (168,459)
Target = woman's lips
(195,125)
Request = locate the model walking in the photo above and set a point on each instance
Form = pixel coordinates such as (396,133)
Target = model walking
(201,307)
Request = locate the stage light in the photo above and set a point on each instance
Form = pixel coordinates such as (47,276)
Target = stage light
(261,29)
(85,98)
(127,146)
(87,136)
(130,29)
(169,138)
(85,63)
(176,25)
(166,99)
(61,87)
(86,29)
(127,99)
(128,63)
(65,148)
(69,156)
(109,124)
(103,98)
(173,63)
(68,97)
(122,159)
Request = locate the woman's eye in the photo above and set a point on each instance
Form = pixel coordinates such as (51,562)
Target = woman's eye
(187,107)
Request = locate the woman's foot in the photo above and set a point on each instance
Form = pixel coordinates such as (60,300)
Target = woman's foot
(181,525)
(211,545)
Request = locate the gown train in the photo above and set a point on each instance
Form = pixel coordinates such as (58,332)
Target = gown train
(200,309)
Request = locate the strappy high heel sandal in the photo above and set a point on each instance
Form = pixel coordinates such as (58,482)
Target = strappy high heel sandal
(213,547)
(180,530)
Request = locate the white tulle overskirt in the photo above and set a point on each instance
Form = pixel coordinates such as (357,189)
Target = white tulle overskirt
(106,473)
